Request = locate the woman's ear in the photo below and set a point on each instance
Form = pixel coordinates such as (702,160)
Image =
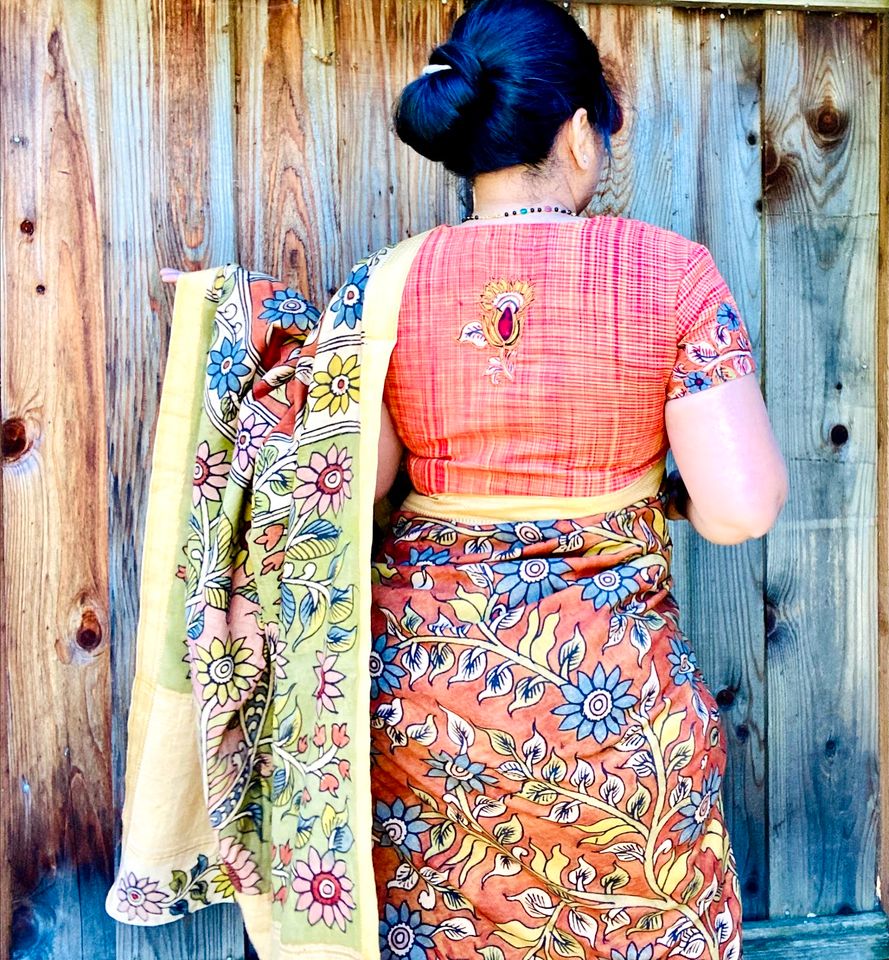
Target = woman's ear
(580,139)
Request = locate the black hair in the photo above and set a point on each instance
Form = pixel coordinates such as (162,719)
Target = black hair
(519,69)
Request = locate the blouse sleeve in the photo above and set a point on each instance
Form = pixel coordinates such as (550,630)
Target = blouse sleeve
(713,344)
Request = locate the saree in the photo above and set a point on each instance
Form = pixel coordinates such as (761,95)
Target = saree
(247,775)
(548,759)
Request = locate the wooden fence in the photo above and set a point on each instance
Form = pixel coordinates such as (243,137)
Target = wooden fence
(138,133)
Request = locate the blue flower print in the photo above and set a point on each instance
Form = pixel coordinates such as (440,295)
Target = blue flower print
(609,587)
(697,381)
(527,581)
(385,675)
(400,825)
(696,810)
(287,308)
(457,771)
(348,301)
(683,662)
(634,953)
(423,557)
(225,367)
(595,705)
(403,935)
(727,317)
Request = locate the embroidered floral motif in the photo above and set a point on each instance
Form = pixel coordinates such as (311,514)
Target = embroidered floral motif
(720,350)
(504,308)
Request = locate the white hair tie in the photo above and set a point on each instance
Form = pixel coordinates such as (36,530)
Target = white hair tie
(435,67)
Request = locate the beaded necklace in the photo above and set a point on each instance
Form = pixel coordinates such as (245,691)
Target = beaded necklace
(547,208)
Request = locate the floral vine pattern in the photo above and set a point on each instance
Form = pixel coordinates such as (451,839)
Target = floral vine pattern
(720,351)
(547,758)
(269,572)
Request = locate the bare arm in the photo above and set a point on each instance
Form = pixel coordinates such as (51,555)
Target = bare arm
(389,455)
(723,444)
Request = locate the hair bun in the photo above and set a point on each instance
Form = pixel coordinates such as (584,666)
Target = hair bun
(462,58)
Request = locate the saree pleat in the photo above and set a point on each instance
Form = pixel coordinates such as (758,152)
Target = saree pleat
(547,756)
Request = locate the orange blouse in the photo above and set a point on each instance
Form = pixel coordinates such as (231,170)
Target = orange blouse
(535,358)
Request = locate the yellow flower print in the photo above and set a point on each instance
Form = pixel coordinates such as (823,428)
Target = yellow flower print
(338,387)
(504,306)
(224,670)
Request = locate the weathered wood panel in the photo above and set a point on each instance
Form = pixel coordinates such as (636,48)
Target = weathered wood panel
(821,116)
(717,201)
(166,101)
(883,469)
(58,811)
(386,191)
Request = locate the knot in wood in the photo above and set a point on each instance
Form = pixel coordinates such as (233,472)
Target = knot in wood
(827,122)
(13,438)
(89,633)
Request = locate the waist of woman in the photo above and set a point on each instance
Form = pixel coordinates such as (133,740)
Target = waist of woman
(488,508)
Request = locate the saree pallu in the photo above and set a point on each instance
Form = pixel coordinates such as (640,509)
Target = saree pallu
(547,759)
(248,774)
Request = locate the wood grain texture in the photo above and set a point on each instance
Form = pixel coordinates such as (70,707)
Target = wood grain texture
(286,157)
(58,809)
(821,102)
(387,191)
(636,48)
(716,79)
(882,360)
(166,103)
(847,6)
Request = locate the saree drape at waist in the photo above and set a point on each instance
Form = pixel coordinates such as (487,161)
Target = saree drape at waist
(547,756)
(247,767)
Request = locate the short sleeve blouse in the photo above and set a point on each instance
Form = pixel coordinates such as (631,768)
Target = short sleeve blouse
(713,344)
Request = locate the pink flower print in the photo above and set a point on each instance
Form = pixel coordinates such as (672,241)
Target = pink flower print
(323,889)
(328,678)
(237,872)
(138,898)
(325,481)
(210,474)
(250,432)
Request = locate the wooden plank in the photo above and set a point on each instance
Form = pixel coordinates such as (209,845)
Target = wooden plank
(861,936)
(387,191)
(717,67)
(286,153)
(821,108)
(167,115)
(636,48)
(883,469)
(57,807)
(742,6)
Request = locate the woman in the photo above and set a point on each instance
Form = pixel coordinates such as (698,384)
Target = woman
(547,757)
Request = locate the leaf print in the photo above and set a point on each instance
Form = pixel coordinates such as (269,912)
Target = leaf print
(488,807)
(554,769)
(405,878)
(534,748)
(460,733)
(583,775)
(701,353)
(441,659)
(472,333)
(638,804)
(424,733)
(565,811)
(509,832)
(457,928)
(551,865)
(471,664)
(583,925)
(571,653)
(616,879)
(538,792)
(536,901)
(469,607)
(627,851)
(416,659)
(441,837)
(612,790)
(518,934)
(502,742)
(528,691)
(504,866)
(640,638)
(498,682)
(491,953)
(650,689)
(565,945)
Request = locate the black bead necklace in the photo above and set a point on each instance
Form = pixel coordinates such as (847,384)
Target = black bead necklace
(546,208)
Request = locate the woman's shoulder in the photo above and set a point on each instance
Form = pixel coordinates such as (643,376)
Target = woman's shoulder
(645,235)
